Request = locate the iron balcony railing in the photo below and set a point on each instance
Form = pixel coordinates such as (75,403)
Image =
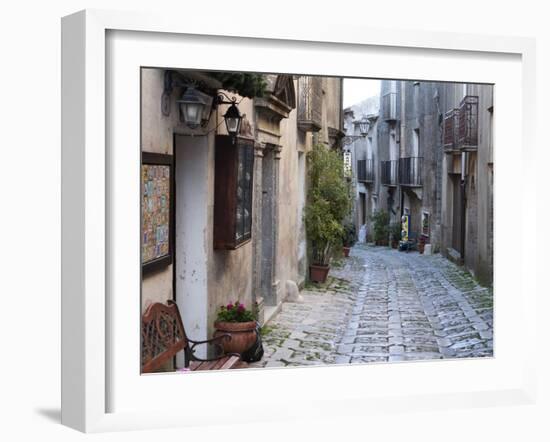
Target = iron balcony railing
(389,106)
(460,129)
(468,123)
(450,131)
(365,171)
(388,172)
(310,103)
(410,171)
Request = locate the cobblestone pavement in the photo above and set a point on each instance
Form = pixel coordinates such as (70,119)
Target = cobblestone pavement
(383,305)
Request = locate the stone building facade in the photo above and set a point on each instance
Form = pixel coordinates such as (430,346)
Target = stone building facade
(467,177)
(294,112)
(364,158)
(435,163)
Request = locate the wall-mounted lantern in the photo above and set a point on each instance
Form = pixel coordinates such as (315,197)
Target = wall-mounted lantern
(192,106)
(364,126)
(233,119)
(232,116)
(196,106)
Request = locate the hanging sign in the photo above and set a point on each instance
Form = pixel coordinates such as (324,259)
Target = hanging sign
(405,222)
(157,209)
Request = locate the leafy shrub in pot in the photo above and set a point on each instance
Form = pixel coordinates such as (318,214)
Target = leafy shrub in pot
(395,232)
(381,227)
(329,202)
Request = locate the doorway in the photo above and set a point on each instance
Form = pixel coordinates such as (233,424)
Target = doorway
(457,241)
(362,208)
(268,284)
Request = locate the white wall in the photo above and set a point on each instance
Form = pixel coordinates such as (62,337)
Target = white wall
(192,200)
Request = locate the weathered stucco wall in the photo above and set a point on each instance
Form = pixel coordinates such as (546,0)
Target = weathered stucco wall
(333,102)
(481,190)
(289,221)
(157,137)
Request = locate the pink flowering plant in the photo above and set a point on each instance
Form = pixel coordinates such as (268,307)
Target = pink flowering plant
(234,312)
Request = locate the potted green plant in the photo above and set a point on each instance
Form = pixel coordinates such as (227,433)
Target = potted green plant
(348,238)
(235,320)
(381,229)
(395,232)
(329,202)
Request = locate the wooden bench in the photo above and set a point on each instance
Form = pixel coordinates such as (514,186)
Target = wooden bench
(163,336)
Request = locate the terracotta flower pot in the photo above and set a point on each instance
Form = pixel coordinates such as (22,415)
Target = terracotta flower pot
(243,335)
(346,251)
(318,273)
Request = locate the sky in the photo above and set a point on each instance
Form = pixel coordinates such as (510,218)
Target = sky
(357,90)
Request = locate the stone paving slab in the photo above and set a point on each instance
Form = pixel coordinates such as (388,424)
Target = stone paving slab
(383,306)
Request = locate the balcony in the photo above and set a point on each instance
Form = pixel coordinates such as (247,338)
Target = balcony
(468,123)
(410,171)
(310,100)
(450,131)
(365,171)
(389,107)
(388,173)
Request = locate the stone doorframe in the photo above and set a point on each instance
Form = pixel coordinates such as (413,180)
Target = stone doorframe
(276,104)
(265,216)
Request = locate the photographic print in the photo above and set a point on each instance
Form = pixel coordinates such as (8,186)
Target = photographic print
(297,220)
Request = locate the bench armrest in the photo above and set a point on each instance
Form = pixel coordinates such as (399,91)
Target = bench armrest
(214,342)
(209,341)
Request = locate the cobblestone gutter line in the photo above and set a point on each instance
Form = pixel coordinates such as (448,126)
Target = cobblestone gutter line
(384,305)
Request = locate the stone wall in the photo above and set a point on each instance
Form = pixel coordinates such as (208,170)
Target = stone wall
(478,165)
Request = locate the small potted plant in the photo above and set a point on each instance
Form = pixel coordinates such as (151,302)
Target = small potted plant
(348,239)
(235,320)
(395,232)
(381,229)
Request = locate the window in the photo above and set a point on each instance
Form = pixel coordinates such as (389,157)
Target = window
(234,169)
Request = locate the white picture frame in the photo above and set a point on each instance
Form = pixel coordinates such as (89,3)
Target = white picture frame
(89,230)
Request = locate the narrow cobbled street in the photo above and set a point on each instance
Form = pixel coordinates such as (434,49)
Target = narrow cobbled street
(383,305)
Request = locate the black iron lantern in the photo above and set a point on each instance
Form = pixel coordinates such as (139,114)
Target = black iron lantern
(191,106)
(364,127)
(233,119)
